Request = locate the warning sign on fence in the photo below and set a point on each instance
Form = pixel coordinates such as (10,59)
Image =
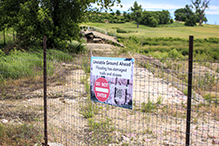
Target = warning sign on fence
(111,81)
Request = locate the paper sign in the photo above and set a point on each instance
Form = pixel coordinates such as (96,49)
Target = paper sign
(111,81)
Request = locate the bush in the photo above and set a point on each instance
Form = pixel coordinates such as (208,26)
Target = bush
(120,30)
(174,54)
(191,21)
(171,20)
(75,47)
(153,22)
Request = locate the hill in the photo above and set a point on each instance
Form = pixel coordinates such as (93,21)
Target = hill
(170,30)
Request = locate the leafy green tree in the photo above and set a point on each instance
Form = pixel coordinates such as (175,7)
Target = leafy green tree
(183,13)
(200,7)
(118,13)
(112,13)
(125,15)
(137,12)
(57,19)
(191,21)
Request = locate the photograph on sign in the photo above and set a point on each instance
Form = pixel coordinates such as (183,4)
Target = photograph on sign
(111,81)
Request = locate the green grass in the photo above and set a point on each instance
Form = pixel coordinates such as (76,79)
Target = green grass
(19,64)
(172,30)
(8,37)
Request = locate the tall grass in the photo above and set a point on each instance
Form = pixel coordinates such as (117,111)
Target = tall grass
(18,64)
(174,48)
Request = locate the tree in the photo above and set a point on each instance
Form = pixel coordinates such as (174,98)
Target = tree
(124,15)
(118,13)
(112,13)
(200,7)
(183,13)
(137,12)
(191,20)
(57,19)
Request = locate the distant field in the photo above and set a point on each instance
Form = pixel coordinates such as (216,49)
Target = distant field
(172,30)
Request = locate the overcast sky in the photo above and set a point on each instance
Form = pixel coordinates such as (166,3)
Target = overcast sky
(212,12)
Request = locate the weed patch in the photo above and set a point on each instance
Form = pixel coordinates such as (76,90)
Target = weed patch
(19,135)
(101,131)
(88,109)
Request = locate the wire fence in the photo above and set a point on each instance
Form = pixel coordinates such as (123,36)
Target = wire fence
(160,103)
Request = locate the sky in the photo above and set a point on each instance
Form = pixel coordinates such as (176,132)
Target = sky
(212,13)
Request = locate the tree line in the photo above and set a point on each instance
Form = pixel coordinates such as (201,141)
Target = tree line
(154,18)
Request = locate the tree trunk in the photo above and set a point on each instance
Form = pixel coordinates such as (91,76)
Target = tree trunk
(137,24)
(13,34)
(200,20)
(4,35)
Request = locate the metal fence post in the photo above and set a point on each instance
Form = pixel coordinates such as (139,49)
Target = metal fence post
(45,93)
(189,96)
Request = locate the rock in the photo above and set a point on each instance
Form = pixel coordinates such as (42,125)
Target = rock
(131,134)
(125,138)
(4,121)
(147,140)
(50,144)
(166,143)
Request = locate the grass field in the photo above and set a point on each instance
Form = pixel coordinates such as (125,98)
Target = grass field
(172,30)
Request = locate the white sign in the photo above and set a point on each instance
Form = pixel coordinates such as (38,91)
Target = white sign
(117,74)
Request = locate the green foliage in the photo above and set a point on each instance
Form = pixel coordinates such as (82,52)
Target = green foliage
(200,7)
(191,21)
(174,54)
(207,81)
(118,12)
(211,99)
(19,64)
(58,20)
(101,131)
(171,21)
(217,70)
(173,48)
(154,18)
(137,13)
(121,31)
(75,47)
(148,107)
(105,17)
(102,125)
(153,22)
(88,109)
(183,13)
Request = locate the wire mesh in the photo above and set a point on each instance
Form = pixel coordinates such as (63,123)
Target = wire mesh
(159,103)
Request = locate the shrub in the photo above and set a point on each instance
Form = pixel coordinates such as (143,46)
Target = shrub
(148,107)
(75,47)
(171,20)
(174,54)
(191,21)
(89,109)
(153,22)
(121,31)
